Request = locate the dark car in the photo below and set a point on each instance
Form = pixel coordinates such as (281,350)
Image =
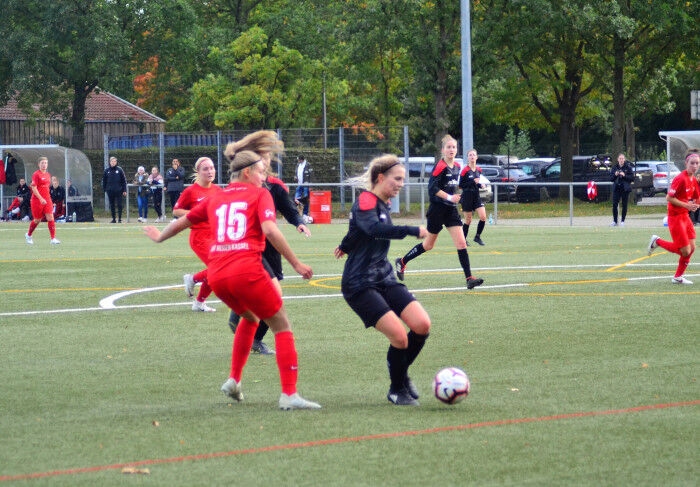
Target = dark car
(504,174)
(585,168)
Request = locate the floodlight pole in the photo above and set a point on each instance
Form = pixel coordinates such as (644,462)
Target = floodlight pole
(467,113)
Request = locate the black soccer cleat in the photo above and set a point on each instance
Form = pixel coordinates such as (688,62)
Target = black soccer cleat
(478,240)
(401,397)
(472,282)
(411,387)
(400,268)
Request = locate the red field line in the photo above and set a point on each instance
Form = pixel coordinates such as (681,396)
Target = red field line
(332,441)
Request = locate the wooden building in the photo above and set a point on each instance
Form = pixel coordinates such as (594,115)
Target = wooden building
(105,113)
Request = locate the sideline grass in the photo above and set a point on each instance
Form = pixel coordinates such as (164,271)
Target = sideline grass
(562,326)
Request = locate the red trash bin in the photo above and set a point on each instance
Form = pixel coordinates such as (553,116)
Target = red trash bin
(320,206)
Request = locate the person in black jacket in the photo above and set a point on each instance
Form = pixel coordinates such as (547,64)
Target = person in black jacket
(174,182)
(622,175)
(114,184)
(369,285)
(26,194)
(266,144)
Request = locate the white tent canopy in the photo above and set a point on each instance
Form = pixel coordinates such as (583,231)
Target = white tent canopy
(71,166)
(677,143)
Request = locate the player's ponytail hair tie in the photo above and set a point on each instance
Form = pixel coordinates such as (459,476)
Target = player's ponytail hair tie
(243,159)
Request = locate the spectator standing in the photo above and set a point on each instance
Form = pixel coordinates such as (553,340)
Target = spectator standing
(682,197)
(174,182)
(58,198)
(114,184)
(622,176)
(303,177)
(41,204)
(26,194)
(155,181)
(142,191)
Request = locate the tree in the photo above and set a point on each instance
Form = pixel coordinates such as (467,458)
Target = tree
(60,52)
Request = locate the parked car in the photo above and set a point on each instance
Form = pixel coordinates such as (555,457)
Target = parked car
(495,160)
(660,174)
(532,167)
(504,174)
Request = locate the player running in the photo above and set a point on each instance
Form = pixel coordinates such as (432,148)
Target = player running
(369,286)
(682,197)
(241,217)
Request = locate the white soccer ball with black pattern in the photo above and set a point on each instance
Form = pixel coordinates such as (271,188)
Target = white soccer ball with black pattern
(451,385)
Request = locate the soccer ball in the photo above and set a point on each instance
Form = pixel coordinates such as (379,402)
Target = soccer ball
(307,219)
(451,385)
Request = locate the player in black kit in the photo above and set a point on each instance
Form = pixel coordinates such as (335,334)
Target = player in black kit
(442,211)
(470,199)
(369,285)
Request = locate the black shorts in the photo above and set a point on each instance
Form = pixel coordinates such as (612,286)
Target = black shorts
(372,303)
(470,201)
(269,269)
(439,214)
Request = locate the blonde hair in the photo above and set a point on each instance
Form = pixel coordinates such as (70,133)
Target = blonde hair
(448,138)
(196,166)
(260,141)
(378,165)
(241,160)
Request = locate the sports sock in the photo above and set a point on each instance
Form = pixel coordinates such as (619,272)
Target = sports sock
(415,345)
(669,246)
(287,361)
(683,263)
(413,253)
(204,291)
(52,228)
(242,341)
(32,227)
(398,367)
(464,262)
(200,276)
(262,330)
(480,227)
(465,229)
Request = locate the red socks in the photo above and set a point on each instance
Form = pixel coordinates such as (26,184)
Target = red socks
(52,228)
(666,245)
(286,361)
(32,227)
(242,341)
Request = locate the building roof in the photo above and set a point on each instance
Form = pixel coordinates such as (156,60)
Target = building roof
(100,106)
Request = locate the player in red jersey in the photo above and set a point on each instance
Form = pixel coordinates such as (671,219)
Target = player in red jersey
(442,211)
(682,197)
(200,234)
(242,216)
(41,204)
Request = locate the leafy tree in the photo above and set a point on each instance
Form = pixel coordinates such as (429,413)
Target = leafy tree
(516,144)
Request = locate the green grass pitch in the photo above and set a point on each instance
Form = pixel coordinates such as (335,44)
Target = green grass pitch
(583,359)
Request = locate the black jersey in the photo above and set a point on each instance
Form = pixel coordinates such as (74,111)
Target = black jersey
(467,179)
(283,204)
(444,178)
(367,244)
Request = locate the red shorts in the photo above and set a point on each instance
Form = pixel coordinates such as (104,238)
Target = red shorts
(40,210)
(200,245)
(246,291)
(681,229)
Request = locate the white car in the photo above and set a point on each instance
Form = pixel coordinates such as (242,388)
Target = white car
(661,174)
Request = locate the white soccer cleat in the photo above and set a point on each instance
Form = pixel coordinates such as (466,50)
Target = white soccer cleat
(29,239)
(197,306)
(652,244)
(232,389)
(295,401)
(54,241)
(189,285)
(681,280)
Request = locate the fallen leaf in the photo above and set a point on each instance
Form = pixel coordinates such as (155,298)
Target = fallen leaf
(144,471)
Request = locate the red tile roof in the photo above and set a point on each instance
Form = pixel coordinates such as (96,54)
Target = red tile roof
(100,106)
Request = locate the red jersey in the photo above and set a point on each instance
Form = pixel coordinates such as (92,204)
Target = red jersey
(235,215)
(685,188)
(191,196)
(42,181)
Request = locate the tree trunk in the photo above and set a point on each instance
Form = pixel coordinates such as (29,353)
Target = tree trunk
(618,96)
(630,138)
(77,117)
